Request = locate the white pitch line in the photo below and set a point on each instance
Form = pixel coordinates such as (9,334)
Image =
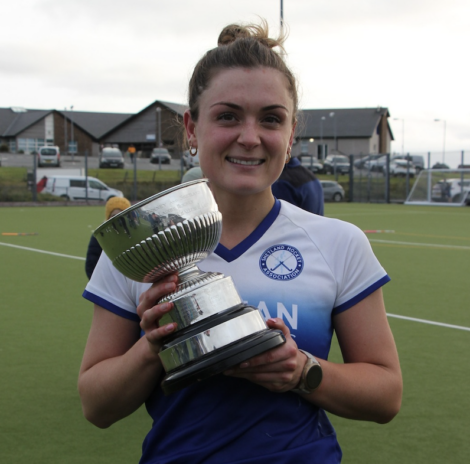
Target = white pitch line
(434,245)
(42,251)
(424,321)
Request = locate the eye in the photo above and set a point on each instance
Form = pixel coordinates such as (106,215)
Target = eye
(272,119)
(226,117)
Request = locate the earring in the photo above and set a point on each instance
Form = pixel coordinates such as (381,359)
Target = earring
(288,156)
(192,151)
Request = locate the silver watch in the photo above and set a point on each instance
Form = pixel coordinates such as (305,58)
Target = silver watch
(311,377)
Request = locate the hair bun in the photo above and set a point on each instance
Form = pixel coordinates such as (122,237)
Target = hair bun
(260,33)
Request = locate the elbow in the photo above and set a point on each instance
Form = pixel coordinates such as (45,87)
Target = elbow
(392,406)
(96,419)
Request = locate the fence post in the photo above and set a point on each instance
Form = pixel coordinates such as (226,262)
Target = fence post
(387,178)
(34,190)
(351,178)
(86,176)
(135,179)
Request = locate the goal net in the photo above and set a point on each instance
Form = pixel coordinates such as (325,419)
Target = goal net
(446,187)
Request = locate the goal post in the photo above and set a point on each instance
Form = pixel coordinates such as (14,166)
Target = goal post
(442,187)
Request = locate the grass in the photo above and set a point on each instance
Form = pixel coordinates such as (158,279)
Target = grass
(44,324)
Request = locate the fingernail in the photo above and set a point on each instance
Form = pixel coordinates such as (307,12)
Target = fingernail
(170,328)
(245,364)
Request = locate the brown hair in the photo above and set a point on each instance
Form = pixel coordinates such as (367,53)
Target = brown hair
(246,46)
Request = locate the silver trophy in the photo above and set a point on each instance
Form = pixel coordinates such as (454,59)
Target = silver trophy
(173,231)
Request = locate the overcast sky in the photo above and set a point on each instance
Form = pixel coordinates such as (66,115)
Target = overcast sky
(410,56)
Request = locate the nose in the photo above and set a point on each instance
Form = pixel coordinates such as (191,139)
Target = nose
(249,136)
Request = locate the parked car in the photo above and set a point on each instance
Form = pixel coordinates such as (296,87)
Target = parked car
(440,166)
(376,164)
(311,163)
(360,163)
(49,156)
(160,155)
(332,191)
(190,161)
(417,160)
(451,191)
(111,158)
(400,168)
(74,188)
(336,163)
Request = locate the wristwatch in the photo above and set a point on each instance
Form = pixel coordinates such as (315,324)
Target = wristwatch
(311,375)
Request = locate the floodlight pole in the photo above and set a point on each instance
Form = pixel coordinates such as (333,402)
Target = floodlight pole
(73,144)
(282,16)
(444,142)
(402,134)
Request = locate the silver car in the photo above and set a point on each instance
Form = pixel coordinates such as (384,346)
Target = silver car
(332,190)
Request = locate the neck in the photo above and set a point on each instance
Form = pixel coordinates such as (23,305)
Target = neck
(241,215)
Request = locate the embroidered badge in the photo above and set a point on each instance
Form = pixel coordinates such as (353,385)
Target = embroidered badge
(281,262)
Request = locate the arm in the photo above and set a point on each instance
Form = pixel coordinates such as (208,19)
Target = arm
(368,386)
(119,369)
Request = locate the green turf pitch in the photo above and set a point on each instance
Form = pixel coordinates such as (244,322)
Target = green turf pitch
(44,323)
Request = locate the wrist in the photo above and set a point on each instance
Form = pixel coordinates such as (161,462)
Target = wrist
(311,376)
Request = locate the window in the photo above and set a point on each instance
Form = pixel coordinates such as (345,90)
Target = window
(77,183)
(97,185)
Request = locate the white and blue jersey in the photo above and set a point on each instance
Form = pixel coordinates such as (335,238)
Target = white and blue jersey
(296,266)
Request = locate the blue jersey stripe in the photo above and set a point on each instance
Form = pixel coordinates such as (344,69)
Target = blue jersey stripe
(110,306)
(349,304)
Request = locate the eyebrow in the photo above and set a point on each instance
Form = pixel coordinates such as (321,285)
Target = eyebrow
(238,107)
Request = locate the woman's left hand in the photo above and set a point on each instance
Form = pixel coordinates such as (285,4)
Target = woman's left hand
(279,369)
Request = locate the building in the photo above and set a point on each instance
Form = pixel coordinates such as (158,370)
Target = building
(350,131)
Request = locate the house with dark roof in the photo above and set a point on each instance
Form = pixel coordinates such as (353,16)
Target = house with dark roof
(348,131)
(26,130)
(159,124)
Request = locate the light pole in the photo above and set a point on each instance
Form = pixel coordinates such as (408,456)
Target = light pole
(66,143)
(402,134)
(322,152)
(159,123)
(444,143)
(282,16)
(332,115)
(73,143)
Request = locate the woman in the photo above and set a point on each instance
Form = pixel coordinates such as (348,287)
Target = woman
(308,275)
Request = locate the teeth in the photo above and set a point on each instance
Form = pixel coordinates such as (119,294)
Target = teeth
(245,163)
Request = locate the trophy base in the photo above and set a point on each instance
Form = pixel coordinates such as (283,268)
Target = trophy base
(222,360)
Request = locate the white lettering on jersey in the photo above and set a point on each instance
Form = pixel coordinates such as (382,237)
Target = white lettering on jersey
(282,313)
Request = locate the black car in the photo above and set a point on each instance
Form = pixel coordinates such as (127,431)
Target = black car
(336,163)
(160,155)
(111,158)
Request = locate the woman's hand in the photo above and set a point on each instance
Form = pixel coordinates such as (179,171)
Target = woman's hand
(279,369)
(151,313)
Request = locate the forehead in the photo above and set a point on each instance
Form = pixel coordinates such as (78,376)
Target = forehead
(249,84)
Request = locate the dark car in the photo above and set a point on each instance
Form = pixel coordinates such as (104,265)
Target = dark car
(311,163)
(111,158)
(336,163)
(332,191)
(160,155)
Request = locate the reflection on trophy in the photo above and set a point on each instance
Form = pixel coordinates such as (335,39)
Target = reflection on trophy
(172,231)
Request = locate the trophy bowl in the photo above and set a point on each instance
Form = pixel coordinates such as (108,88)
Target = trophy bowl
(172,231)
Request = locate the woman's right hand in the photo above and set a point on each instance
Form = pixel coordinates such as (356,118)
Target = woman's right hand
(151,313)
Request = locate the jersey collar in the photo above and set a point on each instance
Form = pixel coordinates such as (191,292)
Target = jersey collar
(266,223)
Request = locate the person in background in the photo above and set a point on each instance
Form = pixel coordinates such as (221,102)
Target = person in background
(299,186)
(113,206)
(192,174)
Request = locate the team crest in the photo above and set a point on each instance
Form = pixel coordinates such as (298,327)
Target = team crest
(281,262)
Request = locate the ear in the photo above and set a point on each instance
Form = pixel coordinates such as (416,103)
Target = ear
(291,138)
(190,127)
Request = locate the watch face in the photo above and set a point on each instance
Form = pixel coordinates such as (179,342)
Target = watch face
(313,377)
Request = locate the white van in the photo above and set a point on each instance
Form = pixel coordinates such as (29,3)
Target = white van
(49,156)
(74,188)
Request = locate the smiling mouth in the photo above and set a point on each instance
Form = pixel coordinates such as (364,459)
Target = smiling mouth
(245,162)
